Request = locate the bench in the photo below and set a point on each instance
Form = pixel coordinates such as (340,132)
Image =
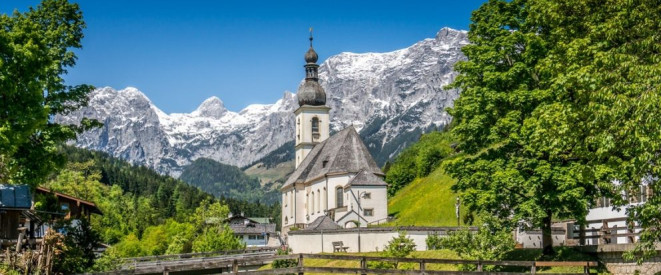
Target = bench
(339,247)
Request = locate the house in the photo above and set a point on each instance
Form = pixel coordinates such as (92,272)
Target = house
(254,231)
(71,207)
(606,224)
(15,204)
(335,175)
(17,213)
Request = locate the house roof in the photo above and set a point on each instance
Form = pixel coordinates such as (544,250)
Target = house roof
(260,220)
(322,223)
(253,228)
(344,152)
(241,218)
(92,206)
(15,196)
(364,178)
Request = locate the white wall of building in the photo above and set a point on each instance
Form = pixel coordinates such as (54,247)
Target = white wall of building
(533,239)
(363,240)
(304,139)
(377,202)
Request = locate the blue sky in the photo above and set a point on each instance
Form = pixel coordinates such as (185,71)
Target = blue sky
(181,52)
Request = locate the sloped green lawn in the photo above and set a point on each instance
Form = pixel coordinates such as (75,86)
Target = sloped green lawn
(427,201)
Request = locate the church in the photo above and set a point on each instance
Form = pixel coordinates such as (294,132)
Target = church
(336,182)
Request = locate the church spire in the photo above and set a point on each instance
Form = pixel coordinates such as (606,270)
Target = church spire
(311,58)
(311,93)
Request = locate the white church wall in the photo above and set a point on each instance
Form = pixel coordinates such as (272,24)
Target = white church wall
(316,196)
(334,182)
(357,239)
(288,207)
(377,202)
(299,210)
(304,116)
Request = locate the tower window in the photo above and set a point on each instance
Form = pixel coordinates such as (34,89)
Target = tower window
(315,127)
(339,196)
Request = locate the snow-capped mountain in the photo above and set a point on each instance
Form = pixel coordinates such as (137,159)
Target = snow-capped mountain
(389,97)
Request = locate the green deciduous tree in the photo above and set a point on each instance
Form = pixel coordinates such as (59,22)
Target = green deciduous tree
(34,54)
(217,238)
(418,160)
(560,100)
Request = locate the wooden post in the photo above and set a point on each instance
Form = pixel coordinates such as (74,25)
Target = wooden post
(586,268)
(166,272)
(21,235)
(422,265)
(363,266)
(533,268)
(582,235)
(479,266)
(359,239)
(300,264)
(235,267)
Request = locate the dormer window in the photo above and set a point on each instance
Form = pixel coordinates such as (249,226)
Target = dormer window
(315,127)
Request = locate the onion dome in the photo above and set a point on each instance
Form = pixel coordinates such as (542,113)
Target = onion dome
(311,56)
(311,93)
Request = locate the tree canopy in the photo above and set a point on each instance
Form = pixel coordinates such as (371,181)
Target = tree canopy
(559,105)
(35,51)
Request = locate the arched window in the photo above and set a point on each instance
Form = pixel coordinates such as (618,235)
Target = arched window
(339,196)
(286,220)
(315,127)
(318,201)
(312,204)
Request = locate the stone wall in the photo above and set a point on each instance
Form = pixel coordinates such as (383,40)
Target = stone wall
(616,265)
(611,256)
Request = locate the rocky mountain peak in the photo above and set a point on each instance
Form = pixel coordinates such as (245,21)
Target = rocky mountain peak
(389,97)
(452,35)
(212,107)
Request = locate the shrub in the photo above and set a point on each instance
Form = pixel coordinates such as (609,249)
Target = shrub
(488,243)
(433,242)
(399,247)
(284,263)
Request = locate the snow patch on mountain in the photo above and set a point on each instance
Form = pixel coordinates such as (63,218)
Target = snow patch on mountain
(386,96)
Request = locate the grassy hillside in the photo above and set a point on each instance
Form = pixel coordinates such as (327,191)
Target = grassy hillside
(426,201)
(274,175)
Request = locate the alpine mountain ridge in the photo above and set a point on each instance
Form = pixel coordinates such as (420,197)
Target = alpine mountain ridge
(390,98)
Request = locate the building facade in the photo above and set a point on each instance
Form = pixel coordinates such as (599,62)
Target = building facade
(335,176)
(254,232)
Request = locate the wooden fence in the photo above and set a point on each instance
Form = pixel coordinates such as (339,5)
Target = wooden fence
(250,264)
(606,233)
(420,262)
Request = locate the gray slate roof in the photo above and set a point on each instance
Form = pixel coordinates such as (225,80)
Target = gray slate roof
(365,178)
(15,196)
(322,223)
(254,228)
(344,152)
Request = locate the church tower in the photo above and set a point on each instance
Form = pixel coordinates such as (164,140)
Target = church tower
(312,119)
